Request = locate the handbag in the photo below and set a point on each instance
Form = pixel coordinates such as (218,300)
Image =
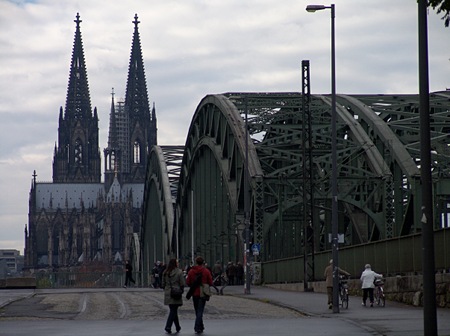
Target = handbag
(176,293)
(205,291)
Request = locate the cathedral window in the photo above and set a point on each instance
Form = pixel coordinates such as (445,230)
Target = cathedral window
(137,152)
(78,152)
(113,161)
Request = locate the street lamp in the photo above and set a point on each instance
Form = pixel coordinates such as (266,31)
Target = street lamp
(334,203)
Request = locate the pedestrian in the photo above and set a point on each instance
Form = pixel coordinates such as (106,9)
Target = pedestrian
(128,274)
(239,274)
(198,300)
(156,273)
(368,278)
(173,277)
(217,273)
(231,273)
(328,274)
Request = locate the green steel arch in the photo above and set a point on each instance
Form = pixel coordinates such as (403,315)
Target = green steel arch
(158,239)
(211,187)
(378,175)
(378,171)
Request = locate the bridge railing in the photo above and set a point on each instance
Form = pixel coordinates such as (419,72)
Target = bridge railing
(84,279)
(396,256)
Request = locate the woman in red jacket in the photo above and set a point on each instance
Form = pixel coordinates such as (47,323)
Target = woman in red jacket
(199,301)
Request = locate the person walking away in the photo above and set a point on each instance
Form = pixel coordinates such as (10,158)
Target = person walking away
(368,278)
(231,273)
(328,274)
(239,274)
(156,270)
(172,277)
(128,274)
(199,302)
(217,272)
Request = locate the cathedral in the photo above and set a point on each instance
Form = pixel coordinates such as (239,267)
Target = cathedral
(77,218)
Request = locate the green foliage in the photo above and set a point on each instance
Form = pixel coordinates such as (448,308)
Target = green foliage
(443,6)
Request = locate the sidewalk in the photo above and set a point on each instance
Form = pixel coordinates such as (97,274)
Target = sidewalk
(393,319)
(10,295)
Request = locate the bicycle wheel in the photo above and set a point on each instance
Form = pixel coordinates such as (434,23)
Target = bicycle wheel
(345,300)
(376,296)
(382,299)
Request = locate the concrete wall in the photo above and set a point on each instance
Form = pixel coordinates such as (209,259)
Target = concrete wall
(17,283)
(405,289)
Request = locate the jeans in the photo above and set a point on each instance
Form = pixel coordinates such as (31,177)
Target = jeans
(173,317)
(367,292)
(330,295)
(199,306)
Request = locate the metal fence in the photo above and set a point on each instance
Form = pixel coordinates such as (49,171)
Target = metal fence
(402,255)
(84,279)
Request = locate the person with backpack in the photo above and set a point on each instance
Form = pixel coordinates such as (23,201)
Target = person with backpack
(198,276)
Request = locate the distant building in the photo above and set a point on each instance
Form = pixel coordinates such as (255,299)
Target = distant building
(11,263)
(77,218)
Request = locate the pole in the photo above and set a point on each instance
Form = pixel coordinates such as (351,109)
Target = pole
(192,227)
(334,202)
(429,285)
(246,208)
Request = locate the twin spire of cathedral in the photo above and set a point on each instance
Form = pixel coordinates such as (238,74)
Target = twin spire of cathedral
(132,129)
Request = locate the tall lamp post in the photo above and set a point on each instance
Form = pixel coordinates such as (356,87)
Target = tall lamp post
(334,204)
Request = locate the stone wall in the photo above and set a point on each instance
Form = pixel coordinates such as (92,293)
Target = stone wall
(405,289)
(17,283)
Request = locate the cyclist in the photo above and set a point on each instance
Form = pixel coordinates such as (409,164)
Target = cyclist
(367,278)
(328,274)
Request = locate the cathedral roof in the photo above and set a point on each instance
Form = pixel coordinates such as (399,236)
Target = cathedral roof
(67,195)
(76,195)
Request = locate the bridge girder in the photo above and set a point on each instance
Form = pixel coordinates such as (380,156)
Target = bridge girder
(158,239)
(378,164)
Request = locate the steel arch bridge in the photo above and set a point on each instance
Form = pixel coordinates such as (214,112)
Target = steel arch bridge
(201,209)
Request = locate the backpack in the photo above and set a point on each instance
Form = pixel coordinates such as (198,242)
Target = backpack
(197,283)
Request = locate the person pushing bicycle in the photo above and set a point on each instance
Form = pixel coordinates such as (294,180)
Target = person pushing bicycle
(367,278)
(328,274)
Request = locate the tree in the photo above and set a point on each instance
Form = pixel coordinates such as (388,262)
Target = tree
(443,6)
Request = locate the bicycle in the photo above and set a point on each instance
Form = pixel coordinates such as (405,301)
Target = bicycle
(343,291)
(378,293)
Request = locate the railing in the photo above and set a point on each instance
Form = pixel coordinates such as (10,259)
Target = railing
(402,255)
(84,279)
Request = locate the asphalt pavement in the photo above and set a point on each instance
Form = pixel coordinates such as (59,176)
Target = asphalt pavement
(316,319)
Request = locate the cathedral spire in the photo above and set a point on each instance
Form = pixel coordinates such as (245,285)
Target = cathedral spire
(138,112)
(136,97)
(78,101)
(76,158)
(112,136)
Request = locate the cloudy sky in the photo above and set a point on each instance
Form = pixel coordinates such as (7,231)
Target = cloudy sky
(191,48)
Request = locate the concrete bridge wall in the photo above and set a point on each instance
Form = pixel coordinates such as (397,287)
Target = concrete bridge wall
(405,289)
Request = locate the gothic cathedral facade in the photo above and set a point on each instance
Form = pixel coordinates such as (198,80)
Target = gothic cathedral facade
(78,219)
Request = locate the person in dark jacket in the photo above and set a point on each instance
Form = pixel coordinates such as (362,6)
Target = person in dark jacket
(239,274)
(128,274)
(172,278)
(199,302)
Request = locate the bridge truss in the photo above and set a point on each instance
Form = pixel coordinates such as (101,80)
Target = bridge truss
(378,155)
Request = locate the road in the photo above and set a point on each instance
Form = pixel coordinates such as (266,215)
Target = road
(141,312)
(130,304)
